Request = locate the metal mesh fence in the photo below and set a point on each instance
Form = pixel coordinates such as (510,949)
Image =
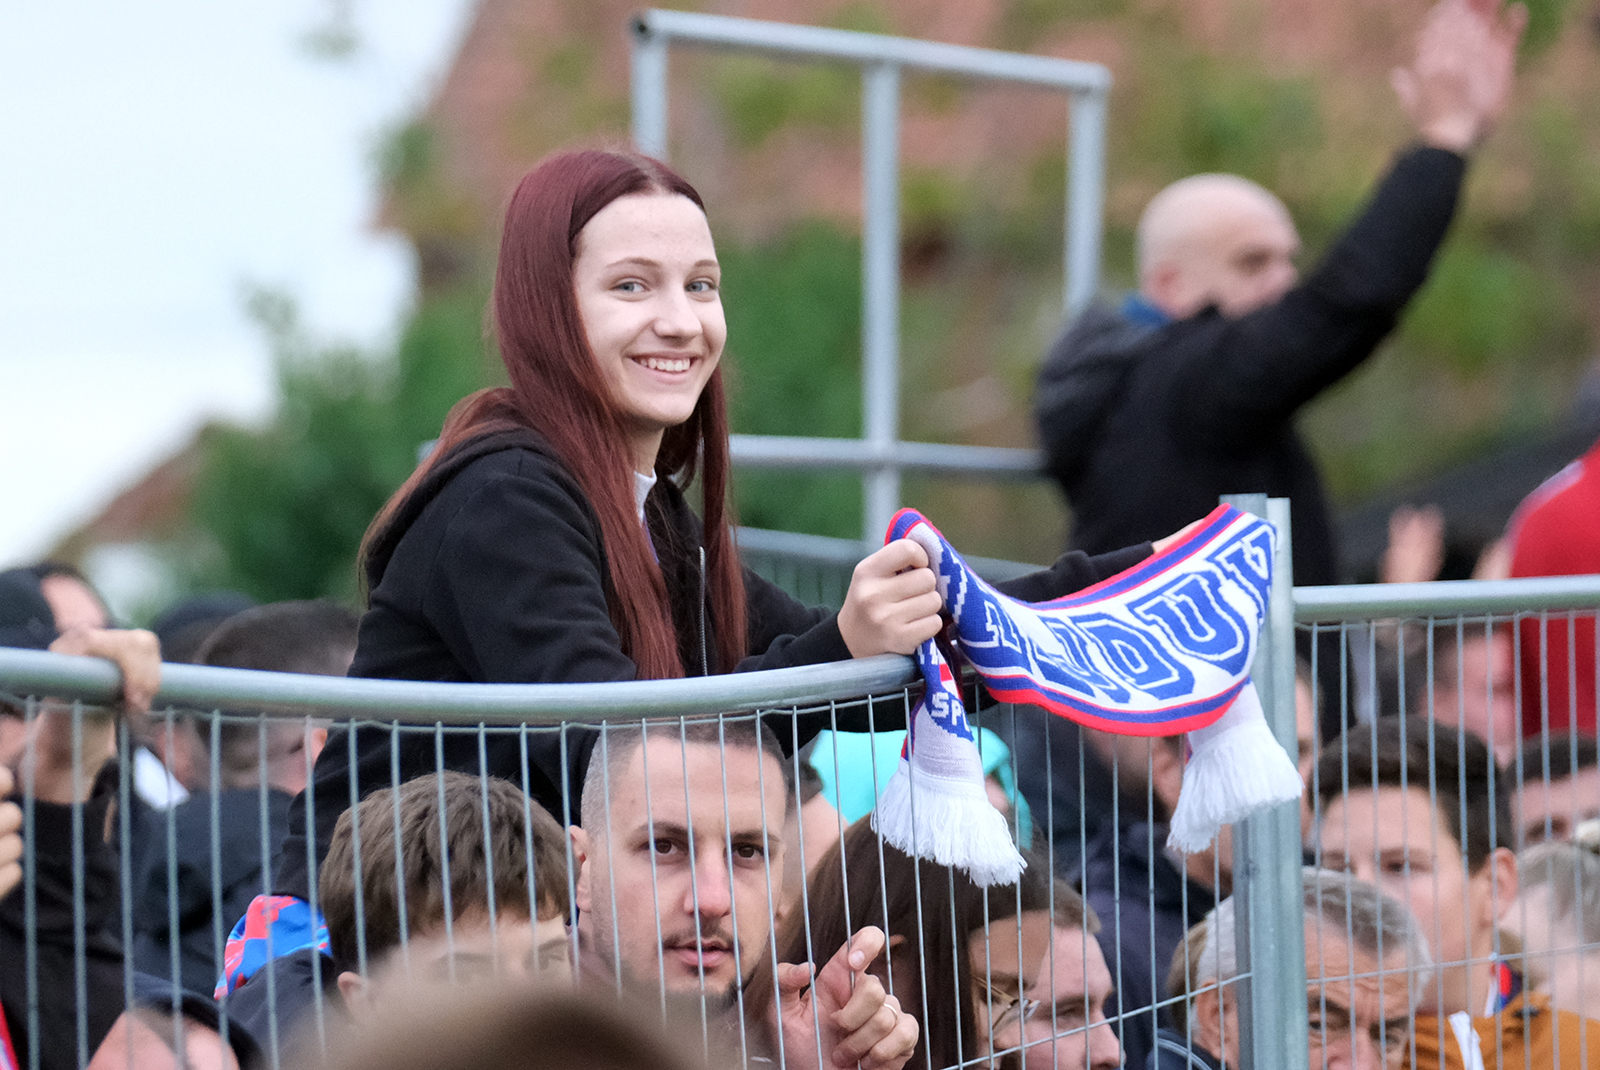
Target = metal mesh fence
(687,879)
(1464,787)
(708,855)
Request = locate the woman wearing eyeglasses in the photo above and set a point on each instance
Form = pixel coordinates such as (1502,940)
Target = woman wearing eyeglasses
(1011,972)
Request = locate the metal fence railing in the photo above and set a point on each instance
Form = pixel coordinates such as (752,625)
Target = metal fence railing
(816,568)
(1451,772)
(879,454)
(1004,976)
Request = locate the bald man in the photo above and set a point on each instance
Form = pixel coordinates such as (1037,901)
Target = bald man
(1190,389)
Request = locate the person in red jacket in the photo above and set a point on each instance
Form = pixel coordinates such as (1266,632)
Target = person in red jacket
(1554,532)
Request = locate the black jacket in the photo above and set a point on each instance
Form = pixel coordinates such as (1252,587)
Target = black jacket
(243,825)
(58,938)
(277,1008)
(494,570)
(1144,427)
(1146,905)
(1174,1051)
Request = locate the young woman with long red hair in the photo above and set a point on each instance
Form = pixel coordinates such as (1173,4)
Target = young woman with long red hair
(547,537)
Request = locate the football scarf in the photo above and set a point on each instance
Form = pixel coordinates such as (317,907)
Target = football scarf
(1160,649)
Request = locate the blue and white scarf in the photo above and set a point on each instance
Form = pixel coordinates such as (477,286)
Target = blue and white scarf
(1160,649)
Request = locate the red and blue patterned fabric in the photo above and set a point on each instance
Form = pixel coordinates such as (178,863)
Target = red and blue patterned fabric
(272,926)
(8,1054)
(1507,987)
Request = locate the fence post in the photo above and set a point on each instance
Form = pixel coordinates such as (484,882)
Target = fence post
(1266,847)
(649,91)
(1086,174)
(880,282)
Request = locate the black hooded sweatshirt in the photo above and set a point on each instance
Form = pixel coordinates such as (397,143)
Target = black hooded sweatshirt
(494,571)
(1146,426)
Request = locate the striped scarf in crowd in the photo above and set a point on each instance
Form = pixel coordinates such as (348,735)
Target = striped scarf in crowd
(1160,649)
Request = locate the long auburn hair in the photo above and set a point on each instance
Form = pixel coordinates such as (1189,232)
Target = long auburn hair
(558,390)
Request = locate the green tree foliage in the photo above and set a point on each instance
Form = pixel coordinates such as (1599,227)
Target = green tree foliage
(1491,347)
(794,368)
(279,510)
(758,97)
(1545,18)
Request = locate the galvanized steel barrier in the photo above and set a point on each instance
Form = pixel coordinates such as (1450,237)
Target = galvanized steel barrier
(1270,954)
(879,454)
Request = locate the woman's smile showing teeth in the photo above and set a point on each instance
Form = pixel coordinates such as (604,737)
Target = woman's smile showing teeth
(665,364)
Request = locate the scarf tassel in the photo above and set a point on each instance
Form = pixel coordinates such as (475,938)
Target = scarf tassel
(1235,768)
(948,821)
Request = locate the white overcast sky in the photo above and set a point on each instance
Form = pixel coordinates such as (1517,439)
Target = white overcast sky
(156,159)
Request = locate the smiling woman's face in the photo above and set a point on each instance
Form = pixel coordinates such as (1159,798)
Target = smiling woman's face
(648,290)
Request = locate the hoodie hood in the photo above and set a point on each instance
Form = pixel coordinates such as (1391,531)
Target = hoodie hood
(1082,377)
(447,468)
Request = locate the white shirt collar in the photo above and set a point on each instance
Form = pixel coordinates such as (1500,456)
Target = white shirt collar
(641,490)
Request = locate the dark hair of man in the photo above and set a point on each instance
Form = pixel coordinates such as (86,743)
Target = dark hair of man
(184,626)
(862,881)
(519,1027)
(614,750)
(1455,768)
(316,637)
(402,865)
(1568,755)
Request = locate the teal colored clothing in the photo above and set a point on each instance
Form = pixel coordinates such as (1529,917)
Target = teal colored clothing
(854,767)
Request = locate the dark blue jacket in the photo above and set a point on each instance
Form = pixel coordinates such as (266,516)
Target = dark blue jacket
(1146,905)
(1174,1051)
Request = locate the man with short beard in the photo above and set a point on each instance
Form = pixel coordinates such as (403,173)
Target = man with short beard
(680,867)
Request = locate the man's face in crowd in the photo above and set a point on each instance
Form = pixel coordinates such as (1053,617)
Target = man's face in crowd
(1252,263)
(1359,1009)
(1359,1014)
(1396,839)
(1550,811)
(1239,256)
(678,887)
(1482,699)
(1052,998)
(470,950)
(1306,732)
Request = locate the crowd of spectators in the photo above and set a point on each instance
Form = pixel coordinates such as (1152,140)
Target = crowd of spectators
(1450,901)
(232,888)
